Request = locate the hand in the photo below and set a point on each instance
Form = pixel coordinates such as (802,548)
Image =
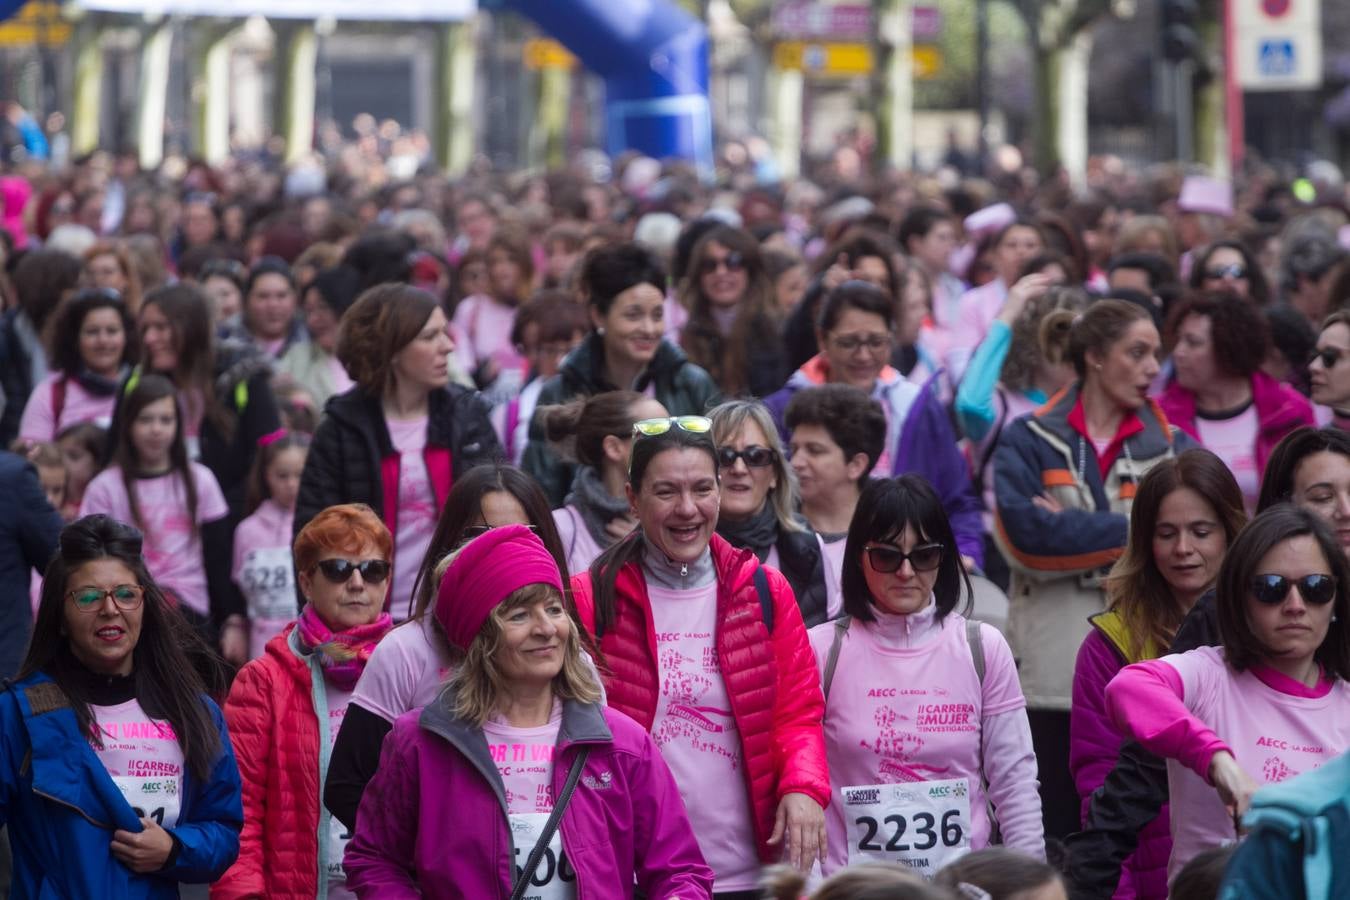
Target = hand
(836,274)
(1027,288)
(234,640)
(1047,503)
(145,852)
(969,562)
(803,821)
(619,527)
(1235,786)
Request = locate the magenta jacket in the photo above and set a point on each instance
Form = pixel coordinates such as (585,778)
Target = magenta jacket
(1094,744)
(1279,410)
(433,822)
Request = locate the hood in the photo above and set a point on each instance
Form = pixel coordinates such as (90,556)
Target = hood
(816,372)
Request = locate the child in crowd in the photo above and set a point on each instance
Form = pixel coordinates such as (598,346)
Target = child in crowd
(262,567)
(82,447)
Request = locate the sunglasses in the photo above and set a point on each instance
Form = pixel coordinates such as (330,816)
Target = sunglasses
(733,261)
(887,559)
(474,531)
(91,599)
(1271,590)
(1235,271)
(339,571)
(654,427)
(1328,355)
(755,457)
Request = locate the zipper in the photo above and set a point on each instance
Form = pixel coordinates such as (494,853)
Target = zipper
(88,818)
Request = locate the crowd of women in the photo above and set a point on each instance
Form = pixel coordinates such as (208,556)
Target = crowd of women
(425,544)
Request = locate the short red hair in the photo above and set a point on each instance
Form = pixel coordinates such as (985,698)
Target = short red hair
(341,529)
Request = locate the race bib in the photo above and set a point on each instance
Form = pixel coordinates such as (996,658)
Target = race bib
(156,798)
(268,584)
(338,836)
(923,824)
(553,878)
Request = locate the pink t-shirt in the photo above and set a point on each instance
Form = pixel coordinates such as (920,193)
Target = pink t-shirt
(144,759)
(524,758)
(1233,440)
(906,706)
(39,422)
(264,571)
(172,553)
(342,382)
(338,836)
(1273,732)
(979,307)
(832,556)
(577,543)
(416,510)
(696,732)
(405,672)
(486,326)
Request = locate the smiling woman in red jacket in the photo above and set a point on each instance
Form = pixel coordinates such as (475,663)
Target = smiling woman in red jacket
(706,649)
(285,709)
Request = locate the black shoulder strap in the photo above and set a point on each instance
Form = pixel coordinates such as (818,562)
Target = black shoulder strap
(765,597)
(559,806)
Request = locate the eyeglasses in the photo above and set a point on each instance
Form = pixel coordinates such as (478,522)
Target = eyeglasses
(755,457)
(473,531)
(339,571)
(1271,590)
(733,261)
(887,559)
(1328,355)
(1234,271)
(654,427)
(873,343)
(91,599)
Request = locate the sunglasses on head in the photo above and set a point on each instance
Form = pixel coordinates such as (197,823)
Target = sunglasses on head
(654,427)
(1233,271)
(733,261)
(339,571)
(1315,589)
(474,531)
(1328,355)
(755,457)
(887,559)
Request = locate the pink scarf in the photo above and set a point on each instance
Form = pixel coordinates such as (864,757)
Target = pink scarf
(343,654)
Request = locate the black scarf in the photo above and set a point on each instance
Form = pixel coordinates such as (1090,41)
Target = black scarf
(759,532)
(98,385)
(597,506)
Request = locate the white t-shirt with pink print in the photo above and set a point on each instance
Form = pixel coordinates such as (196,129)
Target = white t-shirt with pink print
(416,510)
(264,571)
(173,554)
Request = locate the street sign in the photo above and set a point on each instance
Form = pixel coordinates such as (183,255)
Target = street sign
(807,19)
(35,23)
(545,53)
(1278,44)
(927,61)
(826,60)
(927,23)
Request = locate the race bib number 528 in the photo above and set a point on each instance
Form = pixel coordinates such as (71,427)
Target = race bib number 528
(923,825)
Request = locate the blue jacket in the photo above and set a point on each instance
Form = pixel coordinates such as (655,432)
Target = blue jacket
(29,529)
(1298,832)
(62,807)
(920,438)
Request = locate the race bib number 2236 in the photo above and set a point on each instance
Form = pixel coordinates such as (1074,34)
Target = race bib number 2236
(923,825)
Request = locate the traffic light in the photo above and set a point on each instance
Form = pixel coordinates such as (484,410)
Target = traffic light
(1180,37)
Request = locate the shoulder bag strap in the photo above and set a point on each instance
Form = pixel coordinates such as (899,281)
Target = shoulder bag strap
(832,661)
(977,657)
(976,647)
(554,819)
(765,597)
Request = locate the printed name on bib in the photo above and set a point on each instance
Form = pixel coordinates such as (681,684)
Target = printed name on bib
(923,825)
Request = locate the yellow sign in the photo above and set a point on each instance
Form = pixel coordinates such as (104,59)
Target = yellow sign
(835,60)
(35,23)
(927,61)
(543,53)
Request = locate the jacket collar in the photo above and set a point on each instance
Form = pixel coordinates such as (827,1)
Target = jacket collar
(816,371)
(1147,429)
(582,723)
(584,367)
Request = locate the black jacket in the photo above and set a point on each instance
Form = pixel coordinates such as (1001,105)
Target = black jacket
(29,529)
(680,386)
(243,386)
(1134,791)
(352,441)
(16,380)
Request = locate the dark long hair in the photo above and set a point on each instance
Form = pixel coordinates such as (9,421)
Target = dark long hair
(886,506)
(141,390)
(189,315)
(165,660)
(1277,484)
(605,570)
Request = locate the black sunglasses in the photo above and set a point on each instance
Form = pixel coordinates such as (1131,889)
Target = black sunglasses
(733,261)
(1328,355)
(473,531)
(339,571)
(1271,590)
(887,559)
(1234,271)
(755,457)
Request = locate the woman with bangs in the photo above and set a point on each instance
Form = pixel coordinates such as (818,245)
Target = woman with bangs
(1187,512)
(958,729)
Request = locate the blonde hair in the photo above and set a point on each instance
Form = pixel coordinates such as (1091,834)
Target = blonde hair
(478,684)
(869,879)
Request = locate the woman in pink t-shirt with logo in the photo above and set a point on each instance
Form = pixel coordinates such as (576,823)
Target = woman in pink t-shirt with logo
(517,778)
(1271,703)
(925,722)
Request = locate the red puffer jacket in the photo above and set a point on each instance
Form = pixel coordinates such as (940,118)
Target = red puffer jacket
(275,732)
(771,678)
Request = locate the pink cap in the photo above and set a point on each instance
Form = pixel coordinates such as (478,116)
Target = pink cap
(490,568)
(1203,194)
(989,220)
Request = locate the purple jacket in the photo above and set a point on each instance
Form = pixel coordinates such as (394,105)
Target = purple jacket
(433,822)
(1094,744)
(920,437)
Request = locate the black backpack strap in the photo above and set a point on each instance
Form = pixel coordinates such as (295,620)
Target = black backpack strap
(765,597)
